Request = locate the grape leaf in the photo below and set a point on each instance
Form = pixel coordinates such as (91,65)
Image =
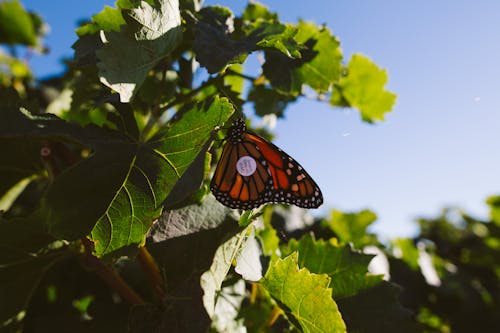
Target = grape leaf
(122,185)
(211,280)
(347,269)
(191,255)
(153,170)
(364,88)
(248,262)
(110,19)
(206,215)
(216,47)
(127,56)
(319,66)
(304,296)
(269,101)
(352,227)
(255,11)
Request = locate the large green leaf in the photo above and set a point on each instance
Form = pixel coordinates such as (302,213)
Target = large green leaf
(304,296)
(347,269)
(151,172)
(364,88)
(183,260)
(127,56)
(124,182)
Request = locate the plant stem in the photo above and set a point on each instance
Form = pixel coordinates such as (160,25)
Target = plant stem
(152,270)
(273,316)
(110,276)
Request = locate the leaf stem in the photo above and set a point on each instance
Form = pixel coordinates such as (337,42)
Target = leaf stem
(229,71)
(152,271)
(273,316)
(110,276)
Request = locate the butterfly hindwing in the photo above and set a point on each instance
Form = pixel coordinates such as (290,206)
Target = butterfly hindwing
(253,171)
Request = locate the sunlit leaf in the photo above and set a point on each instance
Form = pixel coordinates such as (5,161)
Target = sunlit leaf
(352,227)
(408,251)
(109,19)
(363,87)
(211,280)
(346,268)
(304,296)
(127,56)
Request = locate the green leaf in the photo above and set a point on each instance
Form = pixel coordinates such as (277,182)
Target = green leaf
(213,45)
(377,310)
(152,172)
(364,88)
(304,296)
(255,11)
(494,203)
(18,281)
(319,66)
(211,280)
(275,35)
(269,101)
(216,47)
(347,269)
(408,250)
(352,227)
(191,255)
(16,25)
(127,56)
(268,236)
(110,19)
(133,177)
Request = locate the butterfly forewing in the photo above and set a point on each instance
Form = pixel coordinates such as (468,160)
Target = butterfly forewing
(253,171)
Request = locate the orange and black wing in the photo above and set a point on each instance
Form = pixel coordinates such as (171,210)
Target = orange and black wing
(273,176)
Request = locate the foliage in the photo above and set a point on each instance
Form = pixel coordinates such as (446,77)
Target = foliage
(107,223)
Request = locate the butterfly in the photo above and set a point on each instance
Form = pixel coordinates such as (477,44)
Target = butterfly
(253,171)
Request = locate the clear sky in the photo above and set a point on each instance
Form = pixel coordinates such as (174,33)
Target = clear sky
(440,145)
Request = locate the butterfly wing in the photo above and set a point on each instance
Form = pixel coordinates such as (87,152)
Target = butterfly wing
(273,176)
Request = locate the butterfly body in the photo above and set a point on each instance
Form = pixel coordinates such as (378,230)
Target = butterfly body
(253,171)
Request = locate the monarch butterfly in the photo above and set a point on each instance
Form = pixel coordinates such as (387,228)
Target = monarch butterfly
(253,171)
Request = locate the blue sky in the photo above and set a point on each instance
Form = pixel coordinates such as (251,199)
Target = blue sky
(439,147)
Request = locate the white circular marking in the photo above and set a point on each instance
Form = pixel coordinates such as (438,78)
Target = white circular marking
(246,166)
